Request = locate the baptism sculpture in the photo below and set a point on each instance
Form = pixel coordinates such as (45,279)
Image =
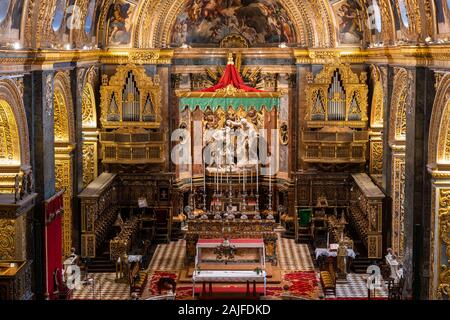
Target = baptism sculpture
(231,148)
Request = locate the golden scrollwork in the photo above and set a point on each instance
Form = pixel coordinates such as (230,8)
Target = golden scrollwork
(443,289)
(7,239)
(88,109)
(399,102)
(376,157)
(398,197)
(89,162)
(9,136)
(63,180)
(376,117)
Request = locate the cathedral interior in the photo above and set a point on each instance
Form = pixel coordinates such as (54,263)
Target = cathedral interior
(194,149)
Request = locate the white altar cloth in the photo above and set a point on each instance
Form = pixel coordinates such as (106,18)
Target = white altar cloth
(227,276)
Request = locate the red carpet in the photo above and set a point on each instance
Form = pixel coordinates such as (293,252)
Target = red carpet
(154,278)
(355,298)
(301,284)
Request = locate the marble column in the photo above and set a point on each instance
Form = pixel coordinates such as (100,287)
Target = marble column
(77,78)
(418,185)
(38,100)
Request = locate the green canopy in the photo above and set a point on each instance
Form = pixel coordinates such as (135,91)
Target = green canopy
(214,103)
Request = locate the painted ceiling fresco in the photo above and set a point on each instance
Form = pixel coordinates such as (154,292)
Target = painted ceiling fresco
(206,23)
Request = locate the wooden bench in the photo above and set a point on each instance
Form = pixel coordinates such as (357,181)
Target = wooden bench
(140,282)
(328,281)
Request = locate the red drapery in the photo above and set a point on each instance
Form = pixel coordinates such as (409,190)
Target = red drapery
(53,243)
(230,77)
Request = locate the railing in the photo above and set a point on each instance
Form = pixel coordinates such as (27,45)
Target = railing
(335,147)
(98,213)
(341,137)
(366,207)
(133,147)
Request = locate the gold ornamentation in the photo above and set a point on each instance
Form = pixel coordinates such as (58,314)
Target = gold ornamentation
(234,41)
(61,125)
(438,149)
(398,197)
(376,157)
(112,99)
(7,239)
(63,180)
(153,29)
(400,100)
(9,136)
(89,162)
(443,289)
(376,117)
(230,91)
(88,108)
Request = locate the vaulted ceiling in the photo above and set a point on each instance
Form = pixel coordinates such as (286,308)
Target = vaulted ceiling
(64,24)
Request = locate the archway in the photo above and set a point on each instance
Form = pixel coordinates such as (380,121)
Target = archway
(439,166)
(397,137)
(64,146)
(14,139)
(14,163)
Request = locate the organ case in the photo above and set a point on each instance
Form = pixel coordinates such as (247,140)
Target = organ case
(336,117)
(131,117)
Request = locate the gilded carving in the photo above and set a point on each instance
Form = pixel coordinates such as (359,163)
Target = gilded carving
(112,98)
(376,157)
(376,117)
(89,163)
(443,288)
(398,198)
(7,239)
(401,99)
(63,179)
(156,19)
(88,109)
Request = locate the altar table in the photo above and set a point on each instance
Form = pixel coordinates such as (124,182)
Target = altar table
(225,276)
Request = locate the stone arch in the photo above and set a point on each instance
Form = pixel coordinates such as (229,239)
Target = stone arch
(439,166)
(400,100)
(63,109)
(438,151)
(64,128)
(155,20)
(14,113)
(377,103)
(88,107)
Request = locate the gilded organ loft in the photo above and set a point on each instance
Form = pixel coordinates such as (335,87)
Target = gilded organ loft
(177,149)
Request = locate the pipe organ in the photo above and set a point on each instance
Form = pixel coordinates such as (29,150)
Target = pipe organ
(336,118)
(130,103)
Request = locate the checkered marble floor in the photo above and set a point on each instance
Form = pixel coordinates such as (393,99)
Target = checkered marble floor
(103,287)
(357,288)
(170,257)
(293,256)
